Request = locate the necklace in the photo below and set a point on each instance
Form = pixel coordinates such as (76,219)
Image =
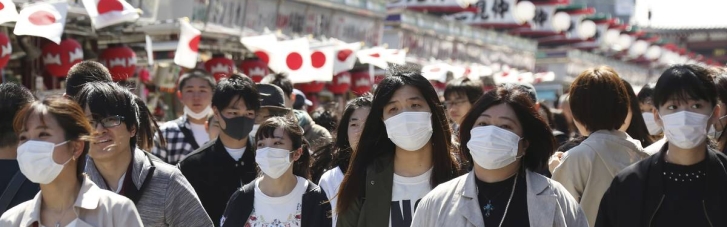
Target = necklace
(489,207)
(58,223)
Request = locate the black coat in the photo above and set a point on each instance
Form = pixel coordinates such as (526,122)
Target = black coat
(215,176)
(636,193)
(315,210)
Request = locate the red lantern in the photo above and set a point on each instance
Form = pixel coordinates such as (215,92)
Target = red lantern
(361,82)
(219,66)
(59,58)
(254,68)
(378,78)
(5,50)
(340,84)
(120,60)
(311,87)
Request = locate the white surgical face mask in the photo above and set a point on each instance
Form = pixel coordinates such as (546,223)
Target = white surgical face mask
(273,161)
(654,129)
(35,159)
(685,129)
(410,130)
(492,147)
(713,131)
(199,116)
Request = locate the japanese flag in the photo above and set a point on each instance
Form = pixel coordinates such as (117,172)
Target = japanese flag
(436,71)
(43,19)
(264,47)
(345,57)
(188,47)
(321,59)
(395,56)
(8,12)
(105,13)
(293,57)
(373,56)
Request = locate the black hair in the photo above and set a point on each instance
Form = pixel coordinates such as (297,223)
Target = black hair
(472,89)
(326,118)
(645,93)
(85,72)
(374,142)
(535,129)
(196,73)
(637,127)
(685,82)
(281,80)
(295,132)
(13,97)
(109,99)
(236,86)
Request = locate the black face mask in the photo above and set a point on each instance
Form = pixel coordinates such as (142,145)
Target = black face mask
(238,127)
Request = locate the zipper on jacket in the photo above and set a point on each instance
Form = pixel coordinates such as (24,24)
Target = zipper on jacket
(657,210)
(704,206)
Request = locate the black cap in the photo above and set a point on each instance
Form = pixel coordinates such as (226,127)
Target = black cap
(271,96)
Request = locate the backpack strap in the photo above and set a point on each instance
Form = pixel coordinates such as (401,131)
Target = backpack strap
(188,136)
(11,191)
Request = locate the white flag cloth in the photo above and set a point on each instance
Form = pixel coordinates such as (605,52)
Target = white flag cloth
(264,47)
(345,57)
(188,47)
(395,56)
(8,12)
(436,71)
(322,62)
(43,19)
(374,56)
(105,13)
(293,57)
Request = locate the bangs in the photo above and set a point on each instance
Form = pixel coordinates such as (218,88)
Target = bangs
(21,120)
(104,101)
(681,86)
(267,129)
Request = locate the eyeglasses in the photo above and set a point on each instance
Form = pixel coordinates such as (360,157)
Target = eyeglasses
(453,103)
(108,122)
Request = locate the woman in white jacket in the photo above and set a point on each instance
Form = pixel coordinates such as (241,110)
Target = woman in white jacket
(506,139)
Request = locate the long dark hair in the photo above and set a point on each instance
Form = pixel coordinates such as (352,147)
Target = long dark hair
(374,142)
(295,132)
(109,99)
(637,127)
(535,129)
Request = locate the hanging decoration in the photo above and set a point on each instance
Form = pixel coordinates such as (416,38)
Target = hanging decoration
(121,62)
(340,84)
(58,58)
(220,66)
(6,49)
(361,82)
(255,68)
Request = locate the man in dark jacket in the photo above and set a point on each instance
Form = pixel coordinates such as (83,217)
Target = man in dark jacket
(217,169)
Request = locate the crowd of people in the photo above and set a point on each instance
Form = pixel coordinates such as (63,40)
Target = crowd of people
(250,154)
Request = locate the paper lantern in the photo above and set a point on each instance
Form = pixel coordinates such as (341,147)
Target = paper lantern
(219,66)
(561,21)
(611,36)
(340,83)
(638,48)
(120,60)
(59,58)
(653,52)
(255,68)
(6,49)
(311,87)
(524,11)
(587,29)
(361,82)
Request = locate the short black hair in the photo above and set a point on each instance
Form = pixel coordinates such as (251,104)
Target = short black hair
(599,99)
(281,80)
(645,93)
(196,73)
(326,118)
(13,97)
(472,89)
(85,72)
(685,82)
(237,85)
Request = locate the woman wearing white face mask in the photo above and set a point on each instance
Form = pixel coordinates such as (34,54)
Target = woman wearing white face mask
(719,127)
(684,183)
(403,152)
(52,153)
(506,139)
(281,196)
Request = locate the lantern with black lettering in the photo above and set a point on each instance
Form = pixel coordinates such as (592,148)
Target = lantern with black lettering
(340,83)
(219,66)
(59,58)
(361,82)
(255,68)
(120,60)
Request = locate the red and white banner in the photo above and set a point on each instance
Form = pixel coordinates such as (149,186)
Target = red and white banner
(188,47)
(322,62)
(43,19)
(374,56)
(345,57)
(395,56)
(264,47)
(105,13)
(293,57)
(8,12)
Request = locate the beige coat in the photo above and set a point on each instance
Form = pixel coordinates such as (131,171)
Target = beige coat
(587,170)
(455,204)
(94,207)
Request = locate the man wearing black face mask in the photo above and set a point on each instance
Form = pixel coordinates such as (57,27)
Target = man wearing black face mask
(219,168)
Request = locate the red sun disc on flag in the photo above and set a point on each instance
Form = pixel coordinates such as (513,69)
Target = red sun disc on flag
(194,43)
(294,61)
(263,56)
(376,55)
(42,17)
(105,6)
(318,59)
(2,6)
(343,54)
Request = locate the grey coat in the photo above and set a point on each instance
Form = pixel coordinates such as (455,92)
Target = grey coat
(454,204)
(167,200)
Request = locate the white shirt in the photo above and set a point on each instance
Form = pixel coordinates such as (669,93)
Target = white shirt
(235,153)
(405,195)
(330,182)
(655,147)
(200,134)
(278,211)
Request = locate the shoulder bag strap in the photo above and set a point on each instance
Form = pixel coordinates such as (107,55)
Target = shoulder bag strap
(11,190)
(188,136)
